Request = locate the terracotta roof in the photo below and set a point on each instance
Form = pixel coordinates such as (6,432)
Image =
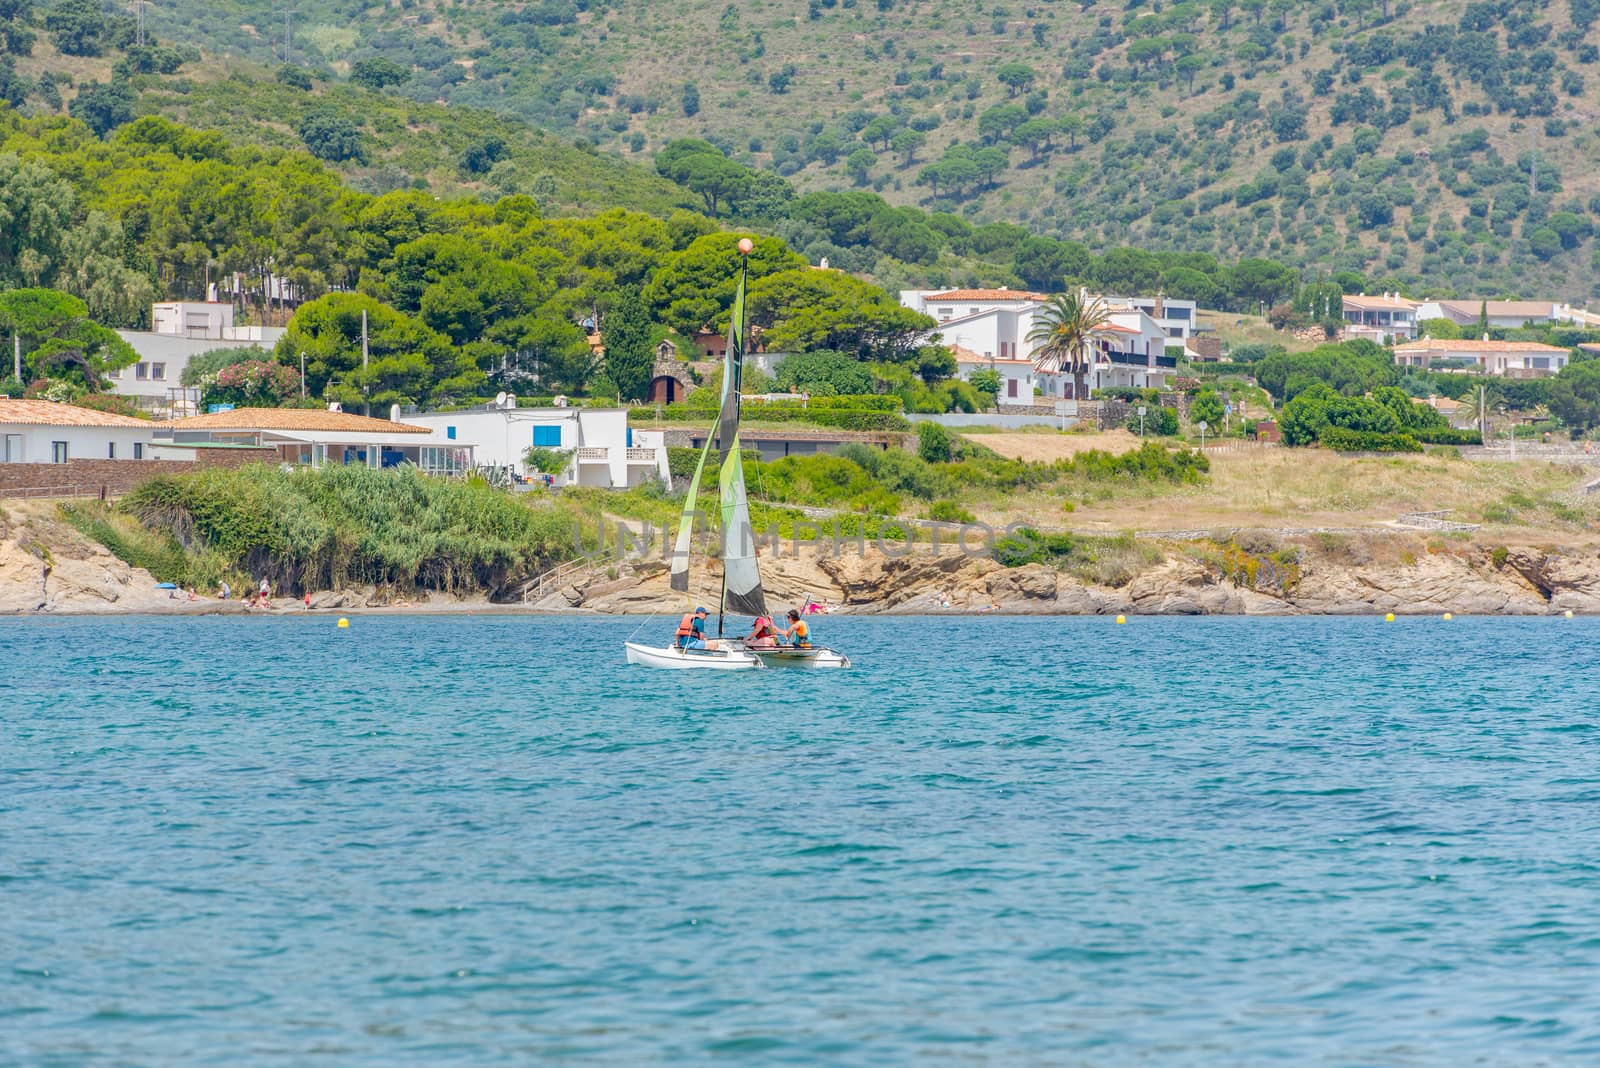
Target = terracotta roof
(1115,328)
(1439,344)
(988,294)
(49,413)
(305,419)
(1380,303)
(1445,404)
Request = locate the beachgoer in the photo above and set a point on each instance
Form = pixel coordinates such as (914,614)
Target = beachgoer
(224,591)
(798,631)
(265,596)
(762,635)
(308,599)
(692,630)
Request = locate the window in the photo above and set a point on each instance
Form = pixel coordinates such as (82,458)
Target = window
(114,374)
(11,449)
(58,452)
(547,436)
(450,432)
(142,372)
(158,372)
(111,450)
(138,450)
(1011,387)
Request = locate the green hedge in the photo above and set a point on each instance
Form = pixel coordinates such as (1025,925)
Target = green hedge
(1343,440)
(1447,436)
(842,419)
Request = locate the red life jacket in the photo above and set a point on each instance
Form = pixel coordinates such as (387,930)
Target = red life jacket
(686,625)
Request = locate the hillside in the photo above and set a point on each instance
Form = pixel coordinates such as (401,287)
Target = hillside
(1442,142)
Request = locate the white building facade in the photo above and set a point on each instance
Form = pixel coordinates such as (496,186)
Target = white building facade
(603,450)
(989,328)
(44,432)
(181,331)
(1509,359)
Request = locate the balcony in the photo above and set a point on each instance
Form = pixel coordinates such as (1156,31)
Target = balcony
(594,454)
(641,456)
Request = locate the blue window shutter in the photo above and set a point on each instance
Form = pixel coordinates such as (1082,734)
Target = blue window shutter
(450,433)
(547,436)
(629,442)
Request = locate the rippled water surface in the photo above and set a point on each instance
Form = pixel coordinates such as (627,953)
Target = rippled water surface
(487,841)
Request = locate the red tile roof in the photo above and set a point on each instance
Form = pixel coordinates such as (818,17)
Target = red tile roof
(305,419)
(49,413)
(988,294)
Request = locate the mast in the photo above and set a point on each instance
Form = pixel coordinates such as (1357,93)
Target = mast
(728,432)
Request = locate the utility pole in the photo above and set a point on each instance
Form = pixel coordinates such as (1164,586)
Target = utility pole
(302,374)
(288,34)
(16,355)
(138,33)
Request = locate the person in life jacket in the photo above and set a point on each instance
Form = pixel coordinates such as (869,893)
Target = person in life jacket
(798,631)
(692,630)
(762,635)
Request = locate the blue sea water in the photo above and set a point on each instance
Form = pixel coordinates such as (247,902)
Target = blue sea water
(486,841)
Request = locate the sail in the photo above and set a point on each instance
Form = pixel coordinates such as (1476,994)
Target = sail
(681,548)
(732,371)
(741,574)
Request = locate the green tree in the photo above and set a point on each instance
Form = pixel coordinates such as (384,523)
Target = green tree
(1016,77)
(58,338)
(986,380)
(296,77)
(702,168)
(408,363)
(331,136)
(627,333)
(1207,408)
(859,164)
(103,107)
(824,372)
(933,443)
(809,309)
(1575,395)
(690,99)
(694,289)
(378,72)
(1063,334)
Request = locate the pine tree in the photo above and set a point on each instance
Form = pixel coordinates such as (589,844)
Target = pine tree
(625,332)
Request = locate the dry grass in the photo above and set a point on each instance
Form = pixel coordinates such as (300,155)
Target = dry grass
(1044,445)
(1309,488)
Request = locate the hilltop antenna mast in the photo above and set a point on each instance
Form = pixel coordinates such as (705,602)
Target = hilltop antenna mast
(288,34)
(138,33)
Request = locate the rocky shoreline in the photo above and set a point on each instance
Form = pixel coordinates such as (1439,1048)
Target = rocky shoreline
(47,567)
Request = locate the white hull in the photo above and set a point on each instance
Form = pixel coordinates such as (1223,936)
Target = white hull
(815,658)
(671,657)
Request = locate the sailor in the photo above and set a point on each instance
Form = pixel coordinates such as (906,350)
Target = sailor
(798,631)
(692,630)
(762,635)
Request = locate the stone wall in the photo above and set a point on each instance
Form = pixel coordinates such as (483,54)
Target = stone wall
(112,478)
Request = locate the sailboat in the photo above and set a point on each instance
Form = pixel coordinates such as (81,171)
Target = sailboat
(741,570)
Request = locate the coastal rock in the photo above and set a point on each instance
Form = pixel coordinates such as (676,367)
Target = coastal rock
(1435,583)
(1569,581)
(1183,587)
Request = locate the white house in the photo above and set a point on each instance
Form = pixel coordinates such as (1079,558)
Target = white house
(42,432)
(1381,318)
(1511,359)
(181,330)
(1179,319)
(605,450)
(1507,314)
(988,328)
(316,437)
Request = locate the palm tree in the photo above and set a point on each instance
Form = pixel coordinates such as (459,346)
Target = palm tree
(1064,330)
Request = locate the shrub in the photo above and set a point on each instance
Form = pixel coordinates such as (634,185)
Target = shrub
(1343,439)
(933,443)
(1158,420)
(949,512)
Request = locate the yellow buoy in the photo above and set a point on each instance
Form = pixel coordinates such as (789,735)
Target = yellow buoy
(1122,619)
(1448,616)
(343,623)
(1388,617)
(1568,613)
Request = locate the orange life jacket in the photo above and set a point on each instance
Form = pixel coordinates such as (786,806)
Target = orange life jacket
(802,633)
(686,625)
